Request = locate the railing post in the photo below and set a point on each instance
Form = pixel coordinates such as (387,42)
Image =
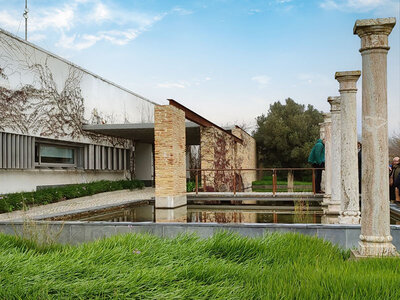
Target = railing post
(274,182)
(197,182)
(290,181)
(204,181)
(313,181)
(234,183)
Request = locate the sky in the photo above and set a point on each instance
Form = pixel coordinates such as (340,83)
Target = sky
(227,60)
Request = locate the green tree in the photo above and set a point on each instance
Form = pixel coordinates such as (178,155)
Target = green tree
(286,135)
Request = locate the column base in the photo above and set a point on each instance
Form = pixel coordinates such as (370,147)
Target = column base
(330,219)
(330,207)
(350,217)
(371,249)
(170,201)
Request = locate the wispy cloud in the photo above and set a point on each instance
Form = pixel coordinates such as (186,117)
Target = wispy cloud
(173,85)
(383,6)
(97,21)
(262,79)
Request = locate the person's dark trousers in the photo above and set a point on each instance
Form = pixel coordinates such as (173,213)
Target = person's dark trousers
(318,177)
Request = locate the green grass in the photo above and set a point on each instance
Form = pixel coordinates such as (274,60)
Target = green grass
(267,180)
(17,201)
(225,266)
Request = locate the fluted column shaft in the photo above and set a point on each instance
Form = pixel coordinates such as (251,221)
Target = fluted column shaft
(375,238)
(335,149)
(349,205)
(328,157)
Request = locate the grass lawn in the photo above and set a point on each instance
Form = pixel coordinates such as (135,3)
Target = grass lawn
(267,180)
(223,267)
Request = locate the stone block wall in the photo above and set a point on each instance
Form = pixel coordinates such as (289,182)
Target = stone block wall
(219,150)
(246,157)
(170,160)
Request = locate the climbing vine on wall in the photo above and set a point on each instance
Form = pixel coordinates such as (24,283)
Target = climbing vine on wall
(41,107)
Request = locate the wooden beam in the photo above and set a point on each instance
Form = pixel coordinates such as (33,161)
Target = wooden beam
(192,116)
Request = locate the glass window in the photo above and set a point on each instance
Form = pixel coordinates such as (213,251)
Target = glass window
(57,155)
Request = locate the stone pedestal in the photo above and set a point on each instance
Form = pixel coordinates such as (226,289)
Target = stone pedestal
(375,238)
(170,160)
(333,206)
(349,207)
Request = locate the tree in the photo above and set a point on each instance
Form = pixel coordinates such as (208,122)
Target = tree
(286,135)
(394,145)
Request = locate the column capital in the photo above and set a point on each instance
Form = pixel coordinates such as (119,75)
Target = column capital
(327,117)
(347,80)
(335,104)
(374,32)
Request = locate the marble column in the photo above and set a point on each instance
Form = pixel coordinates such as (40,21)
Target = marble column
(349,205)
(328,158)
(322,137)
(375,238)
(334,204)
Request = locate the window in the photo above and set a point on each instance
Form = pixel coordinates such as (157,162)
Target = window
(54,155)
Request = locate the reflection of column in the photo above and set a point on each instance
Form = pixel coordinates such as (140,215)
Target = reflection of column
(375,238)
(328,157)
(349,207)
(335,154)
(164,215)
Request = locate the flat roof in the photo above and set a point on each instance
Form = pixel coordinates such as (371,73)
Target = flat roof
(141,132)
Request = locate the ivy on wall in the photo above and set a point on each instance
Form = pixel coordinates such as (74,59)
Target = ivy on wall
(41,107)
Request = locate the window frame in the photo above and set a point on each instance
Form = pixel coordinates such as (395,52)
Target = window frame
(76,151)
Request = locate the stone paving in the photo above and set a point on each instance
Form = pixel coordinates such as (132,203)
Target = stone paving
(89,202)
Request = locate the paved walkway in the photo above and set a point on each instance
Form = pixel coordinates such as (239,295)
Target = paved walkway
(83,203)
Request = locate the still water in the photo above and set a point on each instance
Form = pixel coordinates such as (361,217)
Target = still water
(215,212)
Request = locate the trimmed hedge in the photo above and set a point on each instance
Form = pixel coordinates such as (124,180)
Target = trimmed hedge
(17,201)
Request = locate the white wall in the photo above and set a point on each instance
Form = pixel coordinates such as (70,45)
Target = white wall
(143,161)
(12,181)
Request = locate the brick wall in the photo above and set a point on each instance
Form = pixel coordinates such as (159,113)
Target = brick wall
(170,141)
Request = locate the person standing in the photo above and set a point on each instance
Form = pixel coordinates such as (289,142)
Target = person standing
(394,172)
(317,159)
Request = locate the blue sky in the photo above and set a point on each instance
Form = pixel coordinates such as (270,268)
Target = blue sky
(226,59)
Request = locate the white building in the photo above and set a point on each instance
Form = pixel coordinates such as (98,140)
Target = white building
(45,103)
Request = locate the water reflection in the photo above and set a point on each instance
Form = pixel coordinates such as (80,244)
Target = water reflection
(163,215)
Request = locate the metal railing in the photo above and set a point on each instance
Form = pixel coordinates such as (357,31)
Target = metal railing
(202,173)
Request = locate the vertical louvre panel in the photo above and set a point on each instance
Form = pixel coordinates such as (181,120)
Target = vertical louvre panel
(29,152)
(115,161)
(85,157)
(16,150)
(119,159)
(109,158)
(91,157)
(103,158)
(1,150)
(21,151)
(13,151)
(32,146)
(98,157)
(8,150)
(124,160)
(25,152)
(4,146)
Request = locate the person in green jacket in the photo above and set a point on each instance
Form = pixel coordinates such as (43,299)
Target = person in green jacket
(317,159)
